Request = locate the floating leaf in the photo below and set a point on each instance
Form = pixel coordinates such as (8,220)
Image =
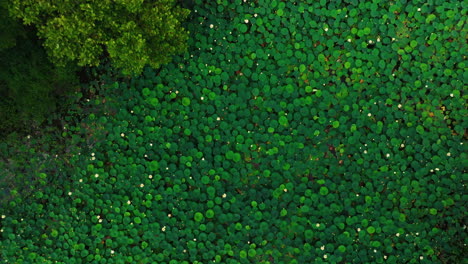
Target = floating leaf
(283,121)
(198,216)
(185,101)
(323,190)
(154,165)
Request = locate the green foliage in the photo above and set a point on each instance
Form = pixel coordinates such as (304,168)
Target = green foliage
(132,33)
(9,28)
(31,88)
(31,157)
(228,157)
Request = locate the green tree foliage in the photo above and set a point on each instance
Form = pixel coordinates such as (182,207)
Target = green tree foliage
(133,33)
(30,86)
(9,28)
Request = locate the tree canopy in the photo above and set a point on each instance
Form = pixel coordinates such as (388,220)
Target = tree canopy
(133,33)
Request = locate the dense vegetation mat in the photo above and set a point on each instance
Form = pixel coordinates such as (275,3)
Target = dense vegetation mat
(291,132)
